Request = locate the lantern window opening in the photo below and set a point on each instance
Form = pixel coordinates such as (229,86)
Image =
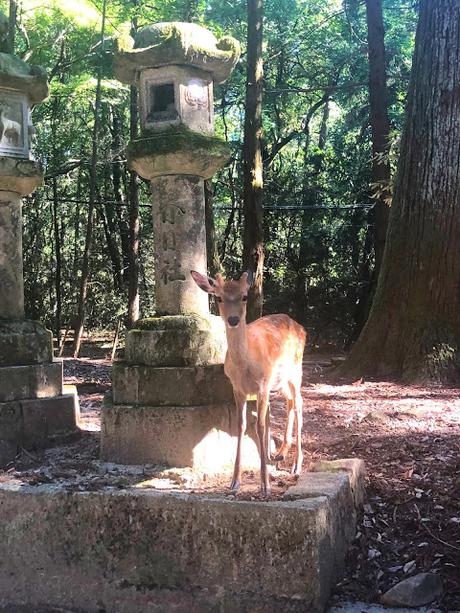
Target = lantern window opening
(162,102)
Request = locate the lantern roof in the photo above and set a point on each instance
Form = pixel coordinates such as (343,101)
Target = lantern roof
(175,43)
(19,76)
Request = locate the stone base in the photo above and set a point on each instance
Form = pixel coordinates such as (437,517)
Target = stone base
(143,550)
(34,381)
(199,437)
(32,423)
(156,386)
(177,340)
(24,342)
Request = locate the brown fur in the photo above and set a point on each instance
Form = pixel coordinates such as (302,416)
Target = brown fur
(263,356)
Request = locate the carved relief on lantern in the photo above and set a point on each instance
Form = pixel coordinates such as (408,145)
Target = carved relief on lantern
(15,126)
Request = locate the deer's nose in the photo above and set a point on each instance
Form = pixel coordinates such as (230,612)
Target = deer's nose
(233,320)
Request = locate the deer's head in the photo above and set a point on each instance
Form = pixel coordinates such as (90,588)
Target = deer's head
(231,296)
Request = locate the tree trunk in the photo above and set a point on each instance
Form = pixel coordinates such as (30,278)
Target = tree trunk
(81,315)
(12,18)
(380,126)
(120,209)
(253,239)
(413,330)
(58,270)
(134,224)
(214,265)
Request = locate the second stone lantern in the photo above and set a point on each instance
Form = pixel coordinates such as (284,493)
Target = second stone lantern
(172,403)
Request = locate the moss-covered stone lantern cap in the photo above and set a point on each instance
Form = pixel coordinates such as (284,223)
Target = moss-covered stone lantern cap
(175,43)
(19,76)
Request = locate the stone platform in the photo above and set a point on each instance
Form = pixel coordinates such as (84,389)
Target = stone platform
(34,407)
(142,550)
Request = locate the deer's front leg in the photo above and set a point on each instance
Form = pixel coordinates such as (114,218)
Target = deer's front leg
(262,408)
(240,401)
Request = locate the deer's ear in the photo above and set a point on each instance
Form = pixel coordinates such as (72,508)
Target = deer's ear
(248,278)
(207,284)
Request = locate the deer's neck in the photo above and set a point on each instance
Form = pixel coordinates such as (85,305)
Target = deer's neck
(237,344)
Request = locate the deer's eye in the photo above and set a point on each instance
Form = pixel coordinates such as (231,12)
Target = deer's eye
(219,299)
(244,298)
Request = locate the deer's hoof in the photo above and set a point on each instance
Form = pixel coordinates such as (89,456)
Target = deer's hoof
(280,457)
(235,485)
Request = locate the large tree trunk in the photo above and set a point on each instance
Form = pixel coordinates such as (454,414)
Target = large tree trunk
(253,239)
(413,331)
(84,279)
(380,126)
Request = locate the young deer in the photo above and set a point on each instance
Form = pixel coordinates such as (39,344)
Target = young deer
(261,356)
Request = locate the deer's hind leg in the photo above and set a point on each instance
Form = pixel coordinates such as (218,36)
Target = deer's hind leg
(297,466)
(287,440)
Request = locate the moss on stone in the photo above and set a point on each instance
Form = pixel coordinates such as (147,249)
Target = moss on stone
(177,151)
(187,323)
(177,139)
(19,76)
(178,43)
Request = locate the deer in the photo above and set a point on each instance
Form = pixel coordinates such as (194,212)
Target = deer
(262,356)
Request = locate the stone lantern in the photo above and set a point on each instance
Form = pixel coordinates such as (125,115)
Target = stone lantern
(172,403)
(33,407)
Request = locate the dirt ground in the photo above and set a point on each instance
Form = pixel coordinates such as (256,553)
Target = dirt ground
(409,438)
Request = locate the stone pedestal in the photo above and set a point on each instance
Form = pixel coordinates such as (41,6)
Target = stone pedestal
(172,404)
(33,407)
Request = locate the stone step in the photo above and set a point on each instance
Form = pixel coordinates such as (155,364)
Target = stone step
(33,381)
(31,423)
(202,437)
(163,386)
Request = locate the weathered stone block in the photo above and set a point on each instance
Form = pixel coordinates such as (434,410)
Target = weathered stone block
(31,423)
(24,342)
(131,550)
(19,175)
(355,469)
(174,386)
(177,151)
(33,381)
(200,437)
(176,341)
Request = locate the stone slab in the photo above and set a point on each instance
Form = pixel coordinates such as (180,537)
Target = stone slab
(200,437)
(174,386)
(24,342)
(193,343)
(33,381)
(142,550)
(355,469)
(32,423)
(365,607)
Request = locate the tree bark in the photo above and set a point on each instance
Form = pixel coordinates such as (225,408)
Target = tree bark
(12,18)
(134,224)
(213,260)
(81,315)
(253,238)
(413,330)
(380,126)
